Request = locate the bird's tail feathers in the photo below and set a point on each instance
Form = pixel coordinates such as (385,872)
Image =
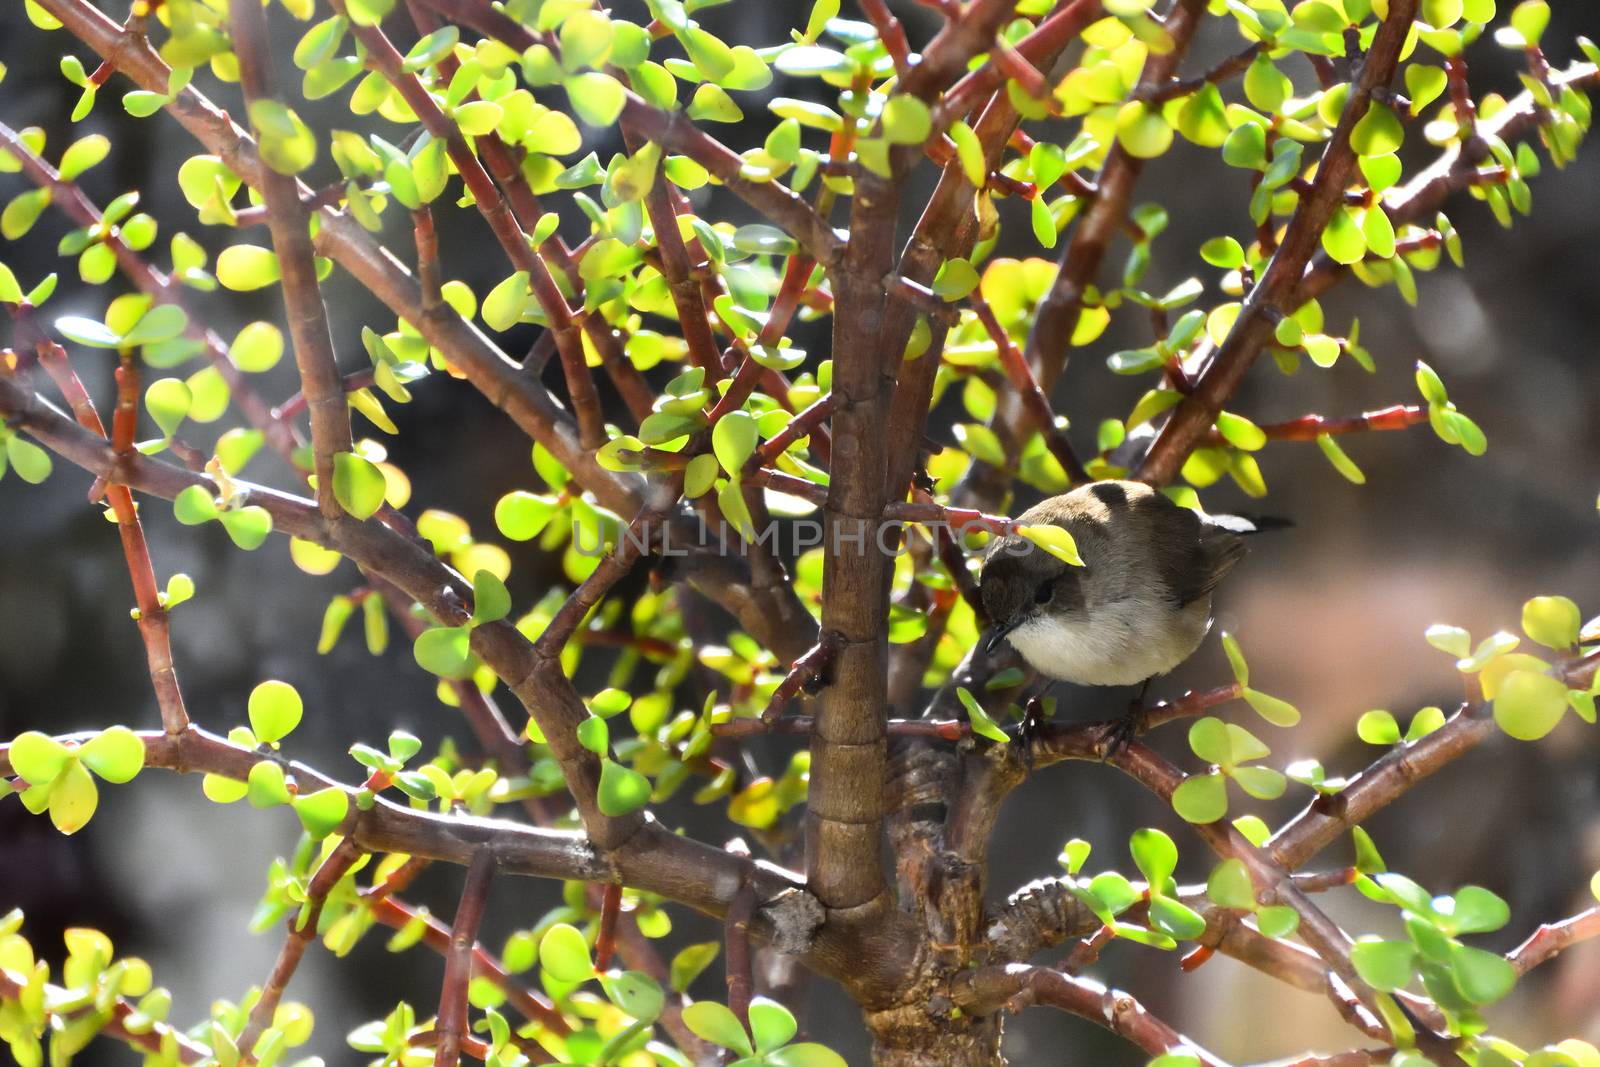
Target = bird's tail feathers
(1248,524)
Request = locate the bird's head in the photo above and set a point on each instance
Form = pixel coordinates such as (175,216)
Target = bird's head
(1021,582)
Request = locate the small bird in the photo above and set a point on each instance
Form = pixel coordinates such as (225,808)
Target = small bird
(1140,604)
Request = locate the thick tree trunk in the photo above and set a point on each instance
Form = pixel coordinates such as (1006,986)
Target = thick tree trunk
(923,1035)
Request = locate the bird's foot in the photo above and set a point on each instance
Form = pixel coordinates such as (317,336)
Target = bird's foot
(1119,732)
(1032,718)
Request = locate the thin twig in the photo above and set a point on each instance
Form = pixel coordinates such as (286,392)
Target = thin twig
(356,379)
(1235,64)
(1552,938)
(736,954)
(1311,427)
(890,32)
(632,546)
(1274,293)
(154,624)
(1034,400)
(605,942)
(302,931)
(1015,986)
(805,423)
(451,1024)
(383,57)
(1057,315)
(397,915)
(288,220)
(150,1041)
(70,198)
(806,673)
(1040,48)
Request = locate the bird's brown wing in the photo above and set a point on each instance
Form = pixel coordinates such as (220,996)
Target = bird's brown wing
(1192,554)
(1214,554)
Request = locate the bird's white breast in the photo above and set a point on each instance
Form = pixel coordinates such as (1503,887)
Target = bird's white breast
(1127,641)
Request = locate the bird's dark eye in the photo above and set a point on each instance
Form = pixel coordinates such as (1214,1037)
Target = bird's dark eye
(1043,594)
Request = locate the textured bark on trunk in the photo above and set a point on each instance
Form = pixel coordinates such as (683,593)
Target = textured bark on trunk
(924,1035)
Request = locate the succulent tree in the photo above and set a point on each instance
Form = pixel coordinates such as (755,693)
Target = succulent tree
(684,425)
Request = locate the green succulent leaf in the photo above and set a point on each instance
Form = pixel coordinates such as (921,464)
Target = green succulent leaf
(1155,855)
(358,485)
(275,709)
(715,1023)
(635,993)
(564,954)
(491,602)
(982,724)
(445,651)
(38,758)
(73,798)
(1529,704)
(1201,798)
(322,812)
(1176,920)
(1384,965)
(1056,540)
(623,790)
(1230,887)
(772,1024)
(1553,621)
(115,754)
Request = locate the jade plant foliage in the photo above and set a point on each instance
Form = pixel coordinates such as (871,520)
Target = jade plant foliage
(666,210)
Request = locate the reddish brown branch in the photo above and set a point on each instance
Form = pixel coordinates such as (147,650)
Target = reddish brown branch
(1456,169)
(693,313)
(804,725)
(963,520)
(504,166)
(1321,821)
(1015,66)
(398,915)
(1234,65)
(150,1041)
(1552,938)
(428,268)
(1070,180)
(71,199)
(807,672)
(358,379)
(302,931)
(154,624)
(1088,950)
(805,423)
(1014,986)
(891,33)
(605,942)
(329,196)
(1057,315)
(960,39)
(1274,294)
(1311,427)
(1034,401)
(1040,48)
(288,221)
(1057,741)
(630,548)
(451,1024)
(382,56)
(736,953)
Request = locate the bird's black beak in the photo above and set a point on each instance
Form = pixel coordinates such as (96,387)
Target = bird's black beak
(1000,635)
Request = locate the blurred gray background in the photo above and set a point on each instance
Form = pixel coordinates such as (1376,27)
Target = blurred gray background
(1331,613)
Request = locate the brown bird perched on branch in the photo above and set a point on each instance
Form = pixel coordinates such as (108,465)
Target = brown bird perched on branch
(1141,602)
